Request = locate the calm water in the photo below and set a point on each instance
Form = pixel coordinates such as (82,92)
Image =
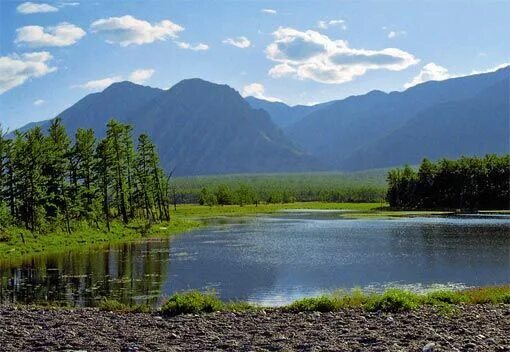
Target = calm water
(273,260)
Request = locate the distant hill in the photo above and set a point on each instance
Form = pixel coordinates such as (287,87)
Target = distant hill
(199,127)
(474,126)
(345,132)
(94,110)
(205,128)
(282,114)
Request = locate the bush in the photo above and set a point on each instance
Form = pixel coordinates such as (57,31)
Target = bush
(448,297)
(314,304)
(393,301)
(192,302)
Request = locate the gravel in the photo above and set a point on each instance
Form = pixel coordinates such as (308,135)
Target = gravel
(469,328)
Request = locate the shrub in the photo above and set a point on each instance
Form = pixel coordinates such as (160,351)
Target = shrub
(393,301)
(448,297)
(314,304)
(192,302)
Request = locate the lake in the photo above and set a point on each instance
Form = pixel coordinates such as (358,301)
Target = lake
(273,260)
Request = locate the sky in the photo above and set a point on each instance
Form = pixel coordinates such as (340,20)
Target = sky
(53,53)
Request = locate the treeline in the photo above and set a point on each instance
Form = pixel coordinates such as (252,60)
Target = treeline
(47,180)
(244,193)
(367,186)
(466,183)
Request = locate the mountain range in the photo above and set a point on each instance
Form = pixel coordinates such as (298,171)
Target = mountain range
(201,127)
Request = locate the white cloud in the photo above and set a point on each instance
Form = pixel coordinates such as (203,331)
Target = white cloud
(197,47)
(99,84)
(128,30)
(141,75)
(314,56)
(27,8)
(15,69)
(429,72)
(269,11)
(394,34)
(64,34)
(257,90)
(240,42)
(331,23)
(64,4)
(434,72)
(39,102)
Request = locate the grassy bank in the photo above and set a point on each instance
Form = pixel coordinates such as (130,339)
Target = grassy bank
(16,243)
(392,301)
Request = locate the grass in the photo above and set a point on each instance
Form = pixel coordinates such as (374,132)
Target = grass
(20,243)
(194,302)
(391,301)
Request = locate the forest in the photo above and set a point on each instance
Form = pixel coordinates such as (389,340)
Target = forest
(468,183)
(48,180)
(360,187)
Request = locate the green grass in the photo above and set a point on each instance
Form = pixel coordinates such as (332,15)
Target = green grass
(391,301)
(18,243)
(194,302)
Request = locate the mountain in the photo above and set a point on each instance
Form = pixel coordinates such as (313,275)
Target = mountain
(94,110)
(282,114)
(344,131)
(199,127)
(206,128)
(475,126)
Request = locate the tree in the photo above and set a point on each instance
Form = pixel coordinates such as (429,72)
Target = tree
(103,178)
(83,168)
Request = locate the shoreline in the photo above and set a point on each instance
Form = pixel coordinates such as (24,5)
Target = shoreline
(471,327)
(18,244)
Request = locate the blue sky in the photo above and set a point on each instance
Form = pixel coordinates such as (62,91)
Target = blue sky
(53,53)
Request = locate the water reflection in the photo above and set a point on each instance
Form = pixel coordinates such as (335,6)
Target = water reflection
(131,273)
(274,260)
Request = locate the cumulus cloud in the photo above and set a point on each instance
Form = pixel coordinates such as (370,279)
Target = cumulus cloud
(269,11)
(257,90)
(429,72)
(39,102)
(27,8)
(128,30)
(197,47)
(137,76)
(240,42)
(16,70)
(314,56)
(63,34)
(394,34)
(141,75)
(331,23)
(434,72)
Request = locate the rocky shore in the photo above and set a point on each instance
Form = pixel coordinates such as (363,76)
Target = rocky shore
(469,328)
